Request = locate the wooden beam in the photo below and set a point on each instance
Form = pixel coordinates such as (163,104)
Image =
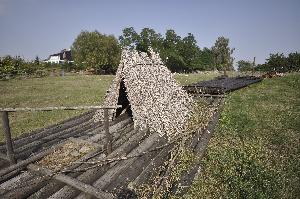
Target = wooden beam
(7,134)
(58,108)
(86,188)
(24,163)
(4,157)
(107,134)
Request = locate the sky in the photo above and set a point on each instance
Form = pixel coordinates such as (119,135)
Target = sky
(255,28)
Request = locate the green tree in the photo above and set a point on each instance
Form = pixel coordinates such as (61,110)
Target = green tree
(95,50)
(206,60)
(190,52)
(37,60)
(223,54)
(171,53)
(141,42)
(294,61)
(7,65)
(244,65)
(277,62)
(129,38)
(148,37)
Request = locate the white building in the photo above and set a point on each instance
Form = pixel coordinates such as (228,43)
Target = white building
(63,56)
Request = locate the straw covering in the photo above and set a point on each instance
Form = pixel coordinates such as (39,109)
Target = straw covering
(157,101)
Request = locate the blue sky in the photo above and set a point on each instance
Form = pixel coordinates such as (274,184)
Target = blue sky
(255,28)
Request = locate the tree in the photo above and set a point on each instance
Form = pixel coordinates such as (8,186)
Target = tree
(244,65)
(277,62)
(190,52)
(95,50)
(171,52)
(206,60)
(148,37)
(37,60)
(141,42)
(294,61)
(7,65)
(222,54)
(129,39)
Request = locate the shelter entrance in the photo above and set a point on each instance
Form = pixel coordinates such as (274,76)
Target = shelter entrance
(123,100)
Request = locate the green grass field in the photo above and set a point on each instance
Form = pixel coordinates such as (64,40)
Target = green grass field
(255,151)
(59,91)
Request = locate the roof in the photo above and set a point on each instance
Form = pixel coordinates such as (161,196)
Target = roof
(64,54)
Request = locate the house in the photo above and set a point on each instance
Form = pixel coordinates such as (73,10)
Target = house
(62,57)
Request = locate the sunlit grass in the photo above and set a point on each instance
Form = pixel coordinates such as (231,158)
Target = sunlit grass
(49,91)
(255,150)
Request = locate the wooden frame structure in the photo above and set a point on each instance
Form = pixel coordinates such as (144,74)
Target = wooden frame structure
(10,155)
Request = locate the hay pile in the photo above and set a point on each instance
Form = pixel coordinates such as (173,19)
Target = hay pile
(65,155)
(157,101)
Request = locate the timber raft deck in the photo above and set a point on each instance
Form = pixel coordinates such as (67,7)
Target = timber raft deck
(135,158)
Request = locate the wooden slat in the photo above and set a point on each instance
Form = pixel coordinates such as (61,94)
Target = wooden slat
(24,163)
(58,108)
(86,188)
(4,156)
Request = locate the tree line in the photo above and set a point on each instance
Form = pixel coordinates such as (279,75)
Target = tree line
(101,53)
(277,62)
(16,66)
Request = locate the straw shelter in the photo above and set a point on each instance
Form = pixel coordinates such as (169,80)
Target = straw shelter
(148,92)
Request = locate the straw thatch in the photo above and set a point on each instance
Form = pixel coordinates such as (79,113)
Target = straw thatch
(157,101)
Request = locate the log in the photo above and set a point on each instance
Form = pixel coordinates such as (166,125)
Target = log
(53,139)
(150,171)
(48,131)
(113,128)
(187,178)
(52,187)
(126,171)
(120,166)
(91,175)
(58,108)
(86,188)
(24,163)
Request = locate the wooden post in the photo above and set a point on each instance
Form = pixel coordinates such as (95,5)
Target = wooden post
(253,65)
(107,134)
(7,134)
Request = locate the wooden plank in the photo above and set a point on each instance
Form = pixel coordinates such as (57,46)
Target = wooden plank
(40,133)
(91,175)
(187,178)
(4,157)
(86,188)
(7,134)
(24,163)
(58,108)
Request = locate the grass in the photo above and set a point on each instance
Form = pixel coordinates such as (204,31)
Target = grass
(49,91)
(255,150)
(59,91)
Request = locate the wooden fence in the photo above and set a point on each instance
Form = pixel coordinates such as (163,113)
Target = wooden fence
(10,155)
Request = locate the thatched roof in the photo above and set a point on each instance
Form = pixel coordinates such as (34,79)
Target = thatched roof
(157,101)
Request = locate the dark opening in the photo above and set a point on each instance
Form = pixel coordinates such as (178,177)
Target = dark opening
(123,100)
